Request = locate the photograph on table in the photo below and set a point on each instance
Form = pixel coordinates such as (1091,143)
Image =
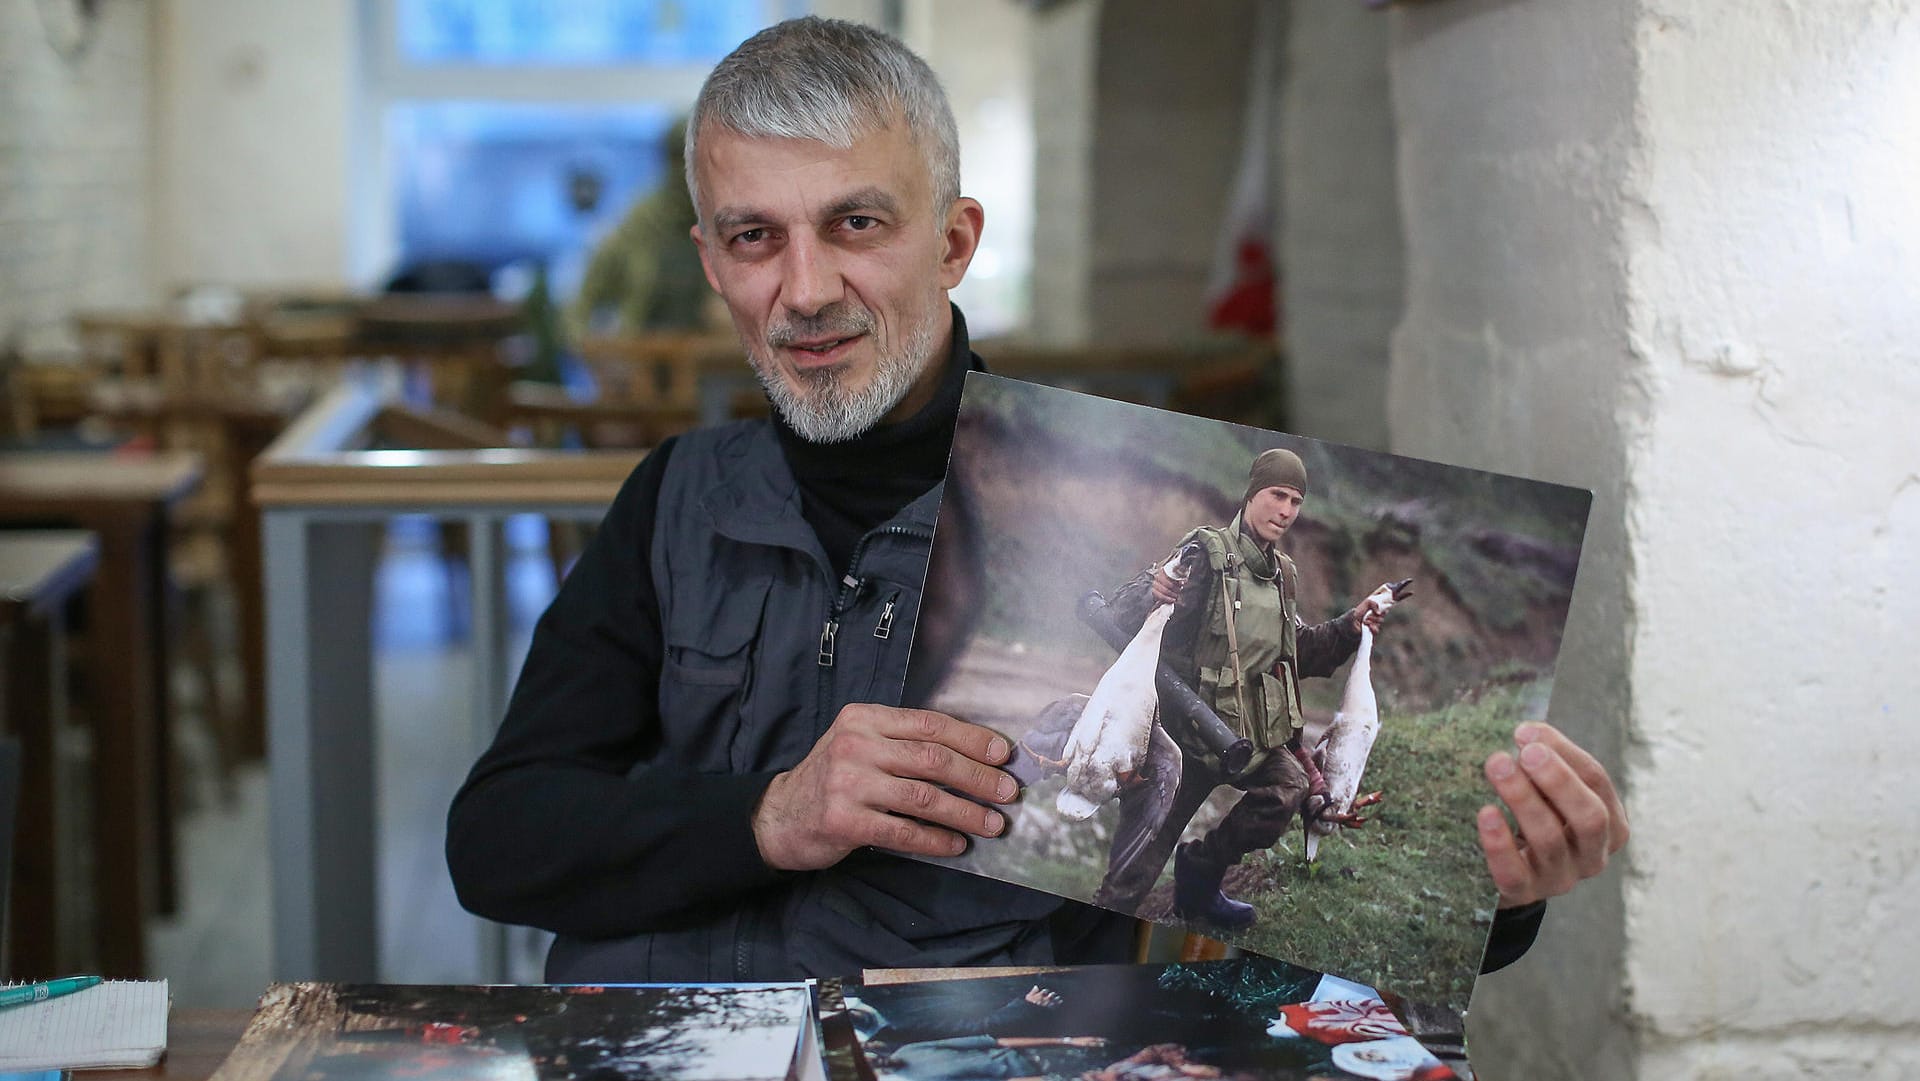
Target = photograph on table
(1251,678)
(388,1032)
(1235,1020)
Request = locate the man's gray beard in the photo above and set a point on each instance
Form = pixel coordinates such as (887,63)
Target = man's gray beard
(827,411)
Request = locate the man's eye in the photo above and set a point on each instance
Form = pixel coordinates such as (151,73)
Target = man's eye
(860,223)
(750,236)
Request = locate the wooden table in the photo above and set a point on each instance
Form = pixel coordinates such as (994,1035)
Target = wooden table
(232,425)
(124,501)
(39,573)
(198,1041)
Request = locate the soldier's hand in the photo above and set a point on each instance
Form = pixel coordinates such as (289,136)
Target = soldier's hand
(1166,588)
(877,777)
(1373,608)
(1570,818)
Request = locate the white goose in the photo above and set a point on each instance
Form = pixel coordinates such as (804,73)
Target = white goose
(1342,752)
(1109,741)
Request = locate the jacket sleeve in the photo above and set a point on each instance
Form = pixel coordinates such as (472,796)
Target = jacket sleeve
(1514,930)
(571,821)
(1322,648)
(1132,602)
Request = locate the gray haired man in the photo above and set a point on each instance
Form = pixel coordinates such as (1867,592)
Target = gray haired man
(704,769)
(705,754)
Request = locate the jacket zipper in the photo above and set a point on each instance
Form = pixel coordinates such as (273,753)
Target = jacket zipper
(850,587)
(884,629)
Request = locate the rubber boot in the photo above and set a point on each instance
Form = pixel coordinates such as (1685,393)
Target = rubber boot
(1197,895)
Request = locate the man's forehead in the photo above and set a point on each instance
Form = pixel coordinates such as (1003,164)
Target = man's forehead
(882,159)
(1287,488)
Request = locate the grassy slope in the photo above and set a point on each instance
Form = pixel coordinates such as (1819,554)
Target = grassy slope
(1403,902)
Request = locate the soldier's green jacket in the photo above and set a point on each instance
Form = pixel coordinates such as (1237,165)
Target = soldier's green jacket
(1229,574)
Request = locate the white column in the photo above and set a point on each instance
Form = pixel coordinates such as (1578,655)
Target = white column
(1340,253)
(1671,253)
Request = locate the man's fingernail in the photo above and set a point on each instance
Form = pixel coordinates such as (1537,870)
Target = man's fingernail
(1533,755)
(1489,819)
(1528,733)
(997,749)
(1007,788)
(995,823)
(1501,766)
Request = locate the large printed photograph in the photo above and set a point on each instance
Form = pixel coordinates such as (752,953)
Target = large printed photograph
(421,1032)
(1248,1019)
(1251,678)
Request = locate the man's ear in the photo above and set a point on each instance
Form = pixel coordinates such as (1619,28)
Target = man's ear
(965,220)
(706,258)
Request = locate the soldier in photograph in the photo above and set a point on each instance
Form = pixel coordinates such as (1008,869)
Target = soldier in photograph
(1236,639)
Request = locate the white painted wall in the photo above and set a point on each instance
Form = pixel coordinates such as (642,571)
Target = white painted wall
(1671,251)
(1170,89)
(1515,126)
(1062,53)
(1774,290)
(1340,253)
(1137,126)
(255,107)
(979,53)
(76,145)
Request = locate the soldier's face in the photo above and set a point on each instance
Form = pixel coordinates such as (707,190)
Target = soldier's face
(835,265)
(1271,512)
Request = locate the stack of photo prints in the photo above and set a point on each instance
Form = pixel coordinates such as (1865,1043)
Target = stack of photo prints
(1156,783)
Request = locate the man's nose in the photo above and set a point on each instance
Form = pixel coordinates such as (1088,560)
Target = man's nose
(811,278)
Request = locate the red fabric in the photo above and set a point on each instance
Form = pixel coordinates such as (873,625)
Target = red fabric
(1342,1022)
(1247,303)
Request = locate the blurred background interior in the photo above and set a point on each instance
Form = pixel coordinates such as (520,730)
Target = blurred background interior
(326,329)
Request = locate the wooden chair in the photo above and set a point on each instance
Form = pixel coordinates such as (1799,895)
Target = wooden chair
(463,342)
(203,394)
(647,387)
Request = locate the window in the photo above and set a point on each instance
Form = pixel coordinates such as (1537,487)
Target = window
(572,32)
(500,131)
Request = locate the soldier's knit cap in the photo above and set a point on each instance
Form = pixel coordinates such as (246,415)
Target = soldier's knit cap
(1276,467)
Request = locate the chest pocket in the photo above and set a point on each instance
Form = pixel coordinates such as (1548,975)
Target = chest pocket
(707,677)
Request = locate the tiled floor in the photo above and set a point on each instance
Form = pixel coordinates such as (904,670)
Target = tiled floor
(217,950)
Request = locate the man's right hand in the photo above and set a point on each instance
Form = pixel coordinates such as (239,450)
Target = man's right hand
(877,777)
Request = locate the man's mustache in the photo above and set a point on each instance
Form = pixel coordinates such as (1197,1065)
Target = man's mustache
(836,321)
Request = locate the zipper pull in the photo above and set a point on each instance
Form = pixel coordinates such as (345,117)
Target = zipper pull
(885,629)
(827,634)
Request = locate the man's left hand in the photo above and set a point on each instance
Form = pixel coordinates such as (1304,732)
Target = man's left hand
(1570,818)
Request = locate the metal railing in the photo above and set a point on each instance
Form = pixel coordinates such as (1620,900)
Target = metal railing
(326,496)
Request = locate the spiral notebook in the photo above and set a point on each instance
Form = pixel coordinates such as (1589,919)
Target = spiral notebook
(119,1023)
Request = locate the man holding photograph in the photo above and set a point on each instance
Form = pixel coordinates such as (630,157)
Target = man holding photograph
(704,758)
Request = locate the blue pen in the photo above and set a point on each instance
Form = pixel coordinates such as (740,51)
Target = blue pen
(40,992)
